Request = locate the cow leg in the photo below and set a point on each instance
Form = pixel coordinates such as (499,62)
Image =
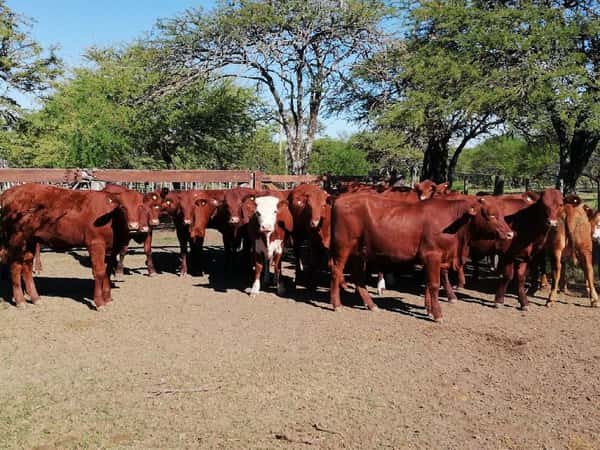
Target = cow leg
(359,274)
(461,276)
(106,293)
(522,292)
(37,259)
(27,271)
(476,270)
(380,283)
(433,269)
(452,298)
(148,252)
(507,270)
(16,269)
(556,275)
(120,267)
(183,253)
(258,267)
(277,257)
(588,270)
(97,256)
(337,277)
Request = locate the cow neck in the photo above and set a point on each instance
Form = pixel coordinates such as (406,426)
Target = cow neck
(531,222)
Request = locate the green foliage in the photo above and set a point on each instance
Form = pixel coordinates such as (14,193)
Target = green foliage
(96,119)
(299,51)
(338,157)
(512,157)
(386,149)
(24,66)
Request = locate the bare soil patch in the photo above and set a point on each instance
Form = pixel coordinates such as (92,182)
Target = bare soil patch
(192,363)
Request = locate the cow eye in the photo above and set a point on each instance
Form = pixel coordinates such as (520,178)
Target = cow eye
(156,206)
(168,202)
(203,202)
(492,217)
(258,213)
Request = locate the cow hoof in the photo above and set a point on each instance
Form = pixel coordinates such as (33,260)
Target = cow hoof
(182,274)
(549,303)
(20,305)
(438,320)
(524,308)
(380,292)
(151,274)
(374,308)
(253,294)
(36,301)
(594,304)
(452,300)
(338,308)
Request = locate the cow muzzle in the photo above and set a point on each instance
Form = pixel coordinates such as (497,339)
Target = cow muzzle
(315,223)
(422,197)
(266,228)
(154,222)
(509,235)
(187,221)
(234,219)
(145,229)
(552,222)
(133,226)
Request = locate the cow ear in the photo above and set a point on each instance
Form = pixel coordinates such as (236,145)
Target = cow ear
(329,200)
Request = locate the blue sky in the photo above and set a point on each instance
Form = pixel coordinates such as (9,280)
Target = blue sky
(75,25)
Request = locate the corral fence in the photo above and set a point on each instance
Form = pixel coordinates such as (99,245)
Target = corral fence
(149,180)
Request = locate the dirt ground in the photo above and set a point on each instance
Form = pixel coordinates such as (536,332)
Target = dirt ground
(185,363)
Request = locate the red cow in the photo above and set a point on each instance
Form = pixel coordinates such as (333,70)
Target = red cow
(480,248)
(572,237)
(531,226)
(231,219)
(267,231)
(310,207)
(182,207)
(390,232)
(148,207)
(60,219)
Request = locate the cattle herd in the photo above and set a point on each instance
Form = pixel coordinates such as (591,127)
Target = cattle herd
(359,230)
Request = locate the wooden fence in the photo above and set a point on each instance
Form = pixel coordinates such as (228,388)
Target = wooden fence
(141,179)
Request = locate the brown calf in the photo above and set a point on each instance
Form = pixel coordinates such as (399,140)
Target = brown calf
(60,219)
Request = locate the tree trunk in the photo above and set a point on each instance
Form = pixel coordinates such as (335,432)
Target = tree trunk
(435,160)
(575,159)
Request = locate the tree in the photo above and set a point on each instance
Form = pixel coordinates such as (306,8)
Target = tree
(94,119)
(427,87)
(24,66)
(299,50)
(510,156)
(338,157)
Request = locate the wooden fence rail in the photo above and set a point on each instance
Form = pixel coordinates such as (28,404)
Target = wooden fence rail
(69,176)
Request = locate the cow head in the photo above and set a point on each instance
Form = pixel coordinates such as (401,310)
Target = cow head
(238,205)
(136,214)
(309,205)
(153,202)
(270,212)
(552,205)
(170,203)
(441,189)
(425,189)
(205,208)
(488,220)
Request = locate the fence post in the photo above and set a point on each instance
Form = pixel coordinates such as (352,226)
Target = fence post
(413,175)
(257,180)
(465,185)
(526,184)
(598,193)
(498,185)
